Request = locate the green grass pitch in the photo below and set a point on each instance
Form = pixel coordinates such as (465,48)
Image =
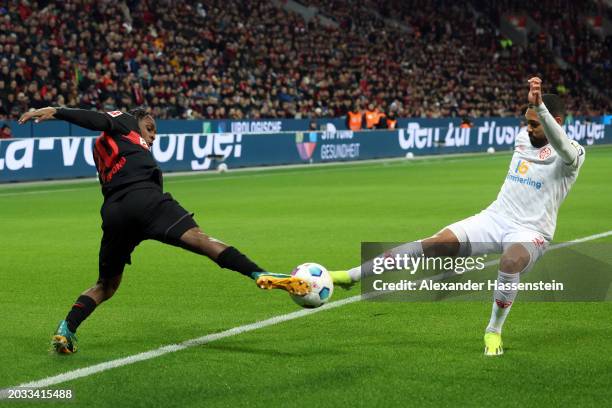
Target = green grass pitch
(362,354)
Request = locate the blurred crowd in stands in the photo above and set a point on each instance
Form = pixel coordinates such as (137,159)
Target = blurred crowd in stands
(253,59)
(567,32)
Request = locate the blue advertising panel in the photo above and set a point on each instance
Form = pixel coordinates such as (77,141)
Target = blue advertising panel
(71,157)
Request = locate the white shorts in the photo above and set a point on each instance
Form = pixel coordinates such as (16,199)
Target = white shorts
(491,233)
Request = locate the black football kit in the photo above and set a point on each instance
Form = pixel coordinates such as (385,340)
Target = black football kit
(135,207)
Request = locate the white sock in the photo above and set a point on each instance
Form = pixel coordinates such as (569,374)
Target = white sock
(412,249)
(502,301)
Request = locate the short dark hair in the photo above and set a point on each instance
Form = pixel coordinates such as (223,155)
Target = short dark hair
(555,104)
(139,113)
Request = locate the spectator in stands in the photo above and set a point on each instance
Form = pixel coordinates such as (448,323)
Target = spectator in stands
(354,118)
(466,122)
(313,124)
(391,120)
(372,116)
(6,132)
(254,59)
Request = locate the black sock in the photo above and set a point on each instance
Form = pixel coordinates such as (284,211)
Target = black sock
(233,259)
(79,312)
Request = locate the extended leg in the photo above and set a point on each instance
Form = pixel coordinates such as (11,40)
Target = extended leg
(229,257)
(444,243)
(225,256)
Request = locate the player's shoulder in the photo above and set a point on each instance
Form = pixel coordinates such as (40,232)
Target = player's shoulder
(124,121)
(522,138)
(120,115)
(115,114)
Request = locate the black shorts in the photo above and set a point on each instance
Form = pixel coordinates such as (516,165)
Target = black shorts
(136,216)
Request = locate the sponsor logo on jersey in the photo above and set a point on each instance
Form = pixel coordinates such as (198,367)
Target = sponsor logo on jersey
(522,167)
(135,138)
(107,159)
(528,181)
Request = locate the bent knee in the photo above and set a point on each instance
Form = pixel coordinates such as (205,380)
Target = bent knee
(514,263)
(198,241)
(443,243)
(195,233)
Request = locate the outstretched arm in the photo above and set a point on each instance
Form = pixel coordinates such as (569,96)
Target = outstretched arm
(88,119)
(554,132)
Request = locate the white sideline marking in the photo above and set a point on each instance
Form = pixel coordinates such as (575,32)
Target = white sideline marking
(209,338)
(147,355)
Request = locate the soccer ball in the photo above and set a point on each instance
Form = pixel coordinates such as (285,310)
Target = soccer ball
(410,155)
(491,150)
(321,285)
(222,168)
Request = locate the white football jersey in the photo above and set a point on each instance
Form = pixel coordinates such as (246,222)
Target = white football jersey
(536,184)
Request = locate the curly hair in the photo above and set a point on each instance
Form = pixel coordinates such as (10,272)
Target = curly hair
(139,113)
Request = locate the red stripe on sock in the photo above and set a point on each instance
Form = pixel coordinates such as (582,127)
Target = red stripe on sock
(503,304)
(79,305)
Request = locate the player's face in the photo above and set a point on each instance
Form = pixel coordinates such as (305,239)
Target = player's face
(148,129)
(534,129)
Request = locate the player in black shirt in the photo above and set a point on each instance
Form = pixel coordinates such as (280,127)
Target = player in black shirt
(135,208)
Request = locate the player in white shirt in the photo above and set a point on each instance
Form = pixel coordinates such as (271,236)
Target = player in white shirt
(521,222)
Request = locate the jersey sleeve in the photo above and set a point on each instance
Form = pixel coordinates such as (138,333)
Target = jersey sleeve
(111,122)
(556,135)
(123,123)
(575,165)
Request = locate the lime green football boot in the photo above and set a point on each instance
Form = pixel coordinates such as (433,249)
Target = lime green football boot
(493,344)
(342,279)
(64,341)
